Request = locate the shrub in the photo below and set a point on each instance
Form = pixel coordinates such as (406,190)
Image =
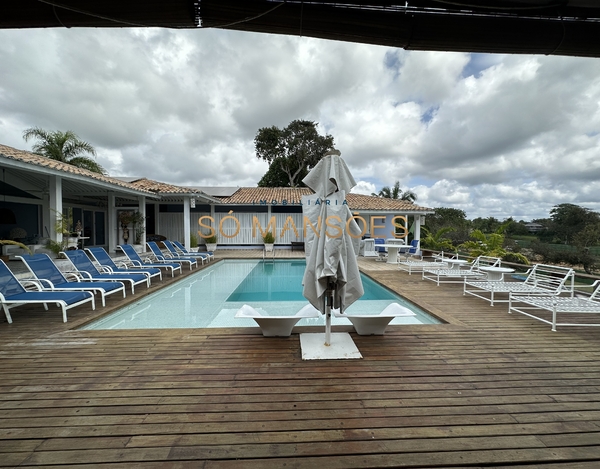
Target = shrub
(268,238)
(211,239)
(437,241)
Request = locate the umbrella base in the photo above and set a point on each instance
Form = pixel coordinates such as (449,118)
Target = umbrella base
(342,347)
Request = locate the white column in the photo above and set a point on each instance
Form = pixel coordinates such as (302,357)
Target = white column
(156,219)
(142,210)
(418,228)
(112,225)
(212,214)
(48,220)
(56,207)
(186,223)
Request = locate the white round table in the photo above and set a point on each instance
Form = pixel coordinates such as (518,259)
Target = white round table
(496,274)
(393,251)
(455,263)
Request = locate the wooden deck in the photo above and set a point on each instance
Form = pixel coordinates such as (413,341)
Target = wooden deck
(486,389)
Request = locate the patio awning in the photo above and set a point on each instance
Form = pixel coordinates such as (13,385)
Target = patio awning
(495,26)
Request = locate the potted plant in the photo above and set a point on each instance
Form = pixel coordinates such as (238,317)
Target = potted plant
(64,227)
(211,243)
(139,229)
(193,242)
(269,241)
(125,219)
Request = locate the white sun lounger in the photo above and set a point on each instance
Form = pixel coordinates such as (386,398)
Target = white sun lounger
(375,324)
(457,275)
(277,326)
(528,304)
(419,265)
(542,279)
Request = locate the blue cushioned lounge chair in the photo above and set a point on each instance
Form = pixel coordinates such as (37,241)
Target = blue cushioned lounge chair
(177,253)
(13,294)
(84,266)
(209,254)
(102,257)
(161,256)
(137,261)
(49,277)
(413,250)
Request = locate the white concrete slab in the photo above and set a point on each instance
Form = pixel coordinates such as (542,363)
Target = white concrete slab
(342,347)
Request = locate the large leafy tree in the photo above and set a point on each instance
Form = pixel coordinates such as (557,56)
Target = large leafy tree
(486,225)
(290,152)
(66,147)
(395,192)
(277,177)
(570,219)
(449,217)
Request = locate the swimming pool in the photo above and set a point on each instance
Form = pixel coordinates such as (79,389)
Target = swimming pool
(212,296)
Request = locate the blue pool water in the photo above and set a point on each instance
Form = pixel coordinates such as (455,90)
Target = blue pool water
(211,297)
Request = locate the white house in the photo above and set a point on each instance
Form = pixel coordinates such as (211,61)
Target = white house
(34,190)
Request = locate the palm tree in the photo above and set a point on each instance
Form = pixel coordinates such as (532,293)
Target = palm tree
(396,193)
(63,146)
(437,241)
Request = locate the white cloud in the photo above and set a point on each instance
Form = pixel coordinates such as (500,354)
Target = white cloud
(363,187)
(494,135)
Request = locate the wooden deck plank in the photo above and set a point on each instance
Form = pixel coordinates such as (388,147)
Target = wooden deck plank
(487,388)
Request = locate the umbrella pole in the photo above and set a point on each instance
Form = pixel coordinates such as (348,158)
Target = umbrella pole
(328,303)
(328,326)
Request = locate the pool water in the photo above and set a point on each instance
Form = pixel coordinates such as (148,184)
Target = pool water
(212,296)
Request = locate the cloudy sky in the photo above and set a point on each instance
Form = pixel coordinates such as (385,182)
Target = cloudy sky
(493,135)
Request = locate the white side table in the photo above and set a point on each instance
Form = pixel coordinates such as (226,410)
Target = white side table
(496,274)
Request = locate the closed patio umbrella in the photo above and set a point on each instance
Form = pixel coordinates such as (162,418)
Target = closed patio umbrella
(331,279)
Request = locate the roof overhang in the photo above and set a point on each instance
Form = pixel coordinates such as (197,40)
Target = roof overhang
(99,13)
(34,179)
(179,197)
(560,27)
(497,26)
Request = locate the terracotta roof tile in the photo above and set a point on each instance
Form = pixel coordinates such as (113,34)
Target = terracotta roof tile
(165,189)
(32,158)
(162,187)
(256,195)
(369,202)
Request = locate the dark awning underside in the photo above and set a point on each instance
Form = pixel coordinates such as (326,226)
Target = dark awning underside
(98,13)
(500,26)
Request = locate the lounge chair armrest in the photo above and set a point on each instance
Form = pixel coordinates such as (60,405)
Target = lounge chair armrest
(82,274)
(105,269)
(76,276)
(43,282)
(31,284)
